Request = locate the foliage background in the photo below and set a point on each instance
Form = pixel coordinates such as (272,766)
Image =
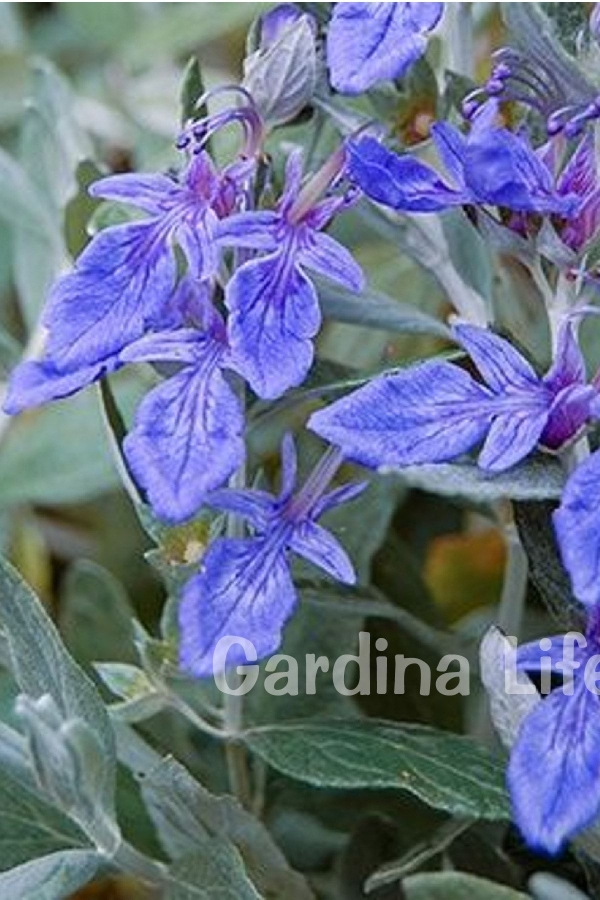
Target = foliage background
(91,87)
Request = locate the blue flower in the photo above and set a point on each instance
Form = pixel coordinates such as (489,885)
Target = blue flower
(188,436)
(436,411)
(553,770)
(370,42)
(491,166)
(577,523)
(245,587)
(273,305)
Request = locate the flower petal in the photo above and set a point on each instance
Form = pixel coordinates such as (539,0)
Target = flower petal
(370,42)
(123,278)
(151,192)
(570,411)
(187,440)
(401,182)
(553,770)
(274,315)
(253,505)
(327,257)
(569,364)
(243,590)
(513,436)
(432,412)
(34,383)
(529,655)
(502,367)
(320,548)
(252,230)
(577,524)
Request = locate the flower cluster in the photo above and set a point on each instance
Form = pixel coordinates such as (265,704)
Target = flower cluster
(215,287)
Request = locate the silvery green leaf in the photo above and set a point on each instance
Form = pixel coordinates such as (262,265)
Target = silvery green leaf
(539,478)
(186,815)
(31,827)
(508,703)
(546,886)
(282,77)
(455,886)
(140,699)
(51,877)
(192,88)
(549,244)
(372,309)
(216,869)
(42,666)
(14,757)
(446,771)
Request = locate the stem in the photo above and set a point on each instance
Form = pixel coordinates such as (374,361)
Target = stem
(514,587)
(233,706)
(460,34)
(131,861)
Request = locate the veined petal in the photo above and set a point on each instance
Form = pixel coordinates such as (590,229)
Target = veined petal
(187,440)
(251,230)
(182,345)
(371,42)
(34,383)
(401,182)
(432,412)
(553,770)
(502,367)
(329,258)
(243,590)
(320,548)
(577,524)
(274,315)
(195,234)
(451,146)
(513,435)
(153,193)
(343,494)
(253,505)
(289,467)
(529,655)
(569,364)
(121,280)
(571,409)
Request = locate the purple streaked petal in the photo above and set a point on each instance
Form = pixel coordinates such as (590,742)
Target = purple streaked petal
(289,467)
(571,409)
(502,367)
(153,193)
(513,435)
(253,505)
(400,182)
(372,42)
(329,258)
(320,548)
(343,494)
(182,345)
(529,655)
(569,364)
(577,524)
(274,315)
(579,175)
(34,383)
(293,179)
(122,279)
(187,440)
(251,230)
(553,770)
(451,147)
(243,590)
(432,412)
(195,234)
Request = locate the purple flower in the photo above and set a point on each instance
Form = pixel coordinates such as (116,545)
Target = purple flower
(245,588)
(436,411)
(579,178)
(188,437)
(124,281)
(554,764)
(491,166)
(577,523)
(370,42)
(273,305)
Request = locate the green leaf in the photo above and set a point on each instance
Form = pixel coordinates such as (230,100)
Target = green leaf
(30,827)
(42,666)
(215,870)
(186,815)
(539,478)
(96,615)
(192,88)
(59,453)
(140,698)
(455,886)
(445,770)
(51,877)
(372,309)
